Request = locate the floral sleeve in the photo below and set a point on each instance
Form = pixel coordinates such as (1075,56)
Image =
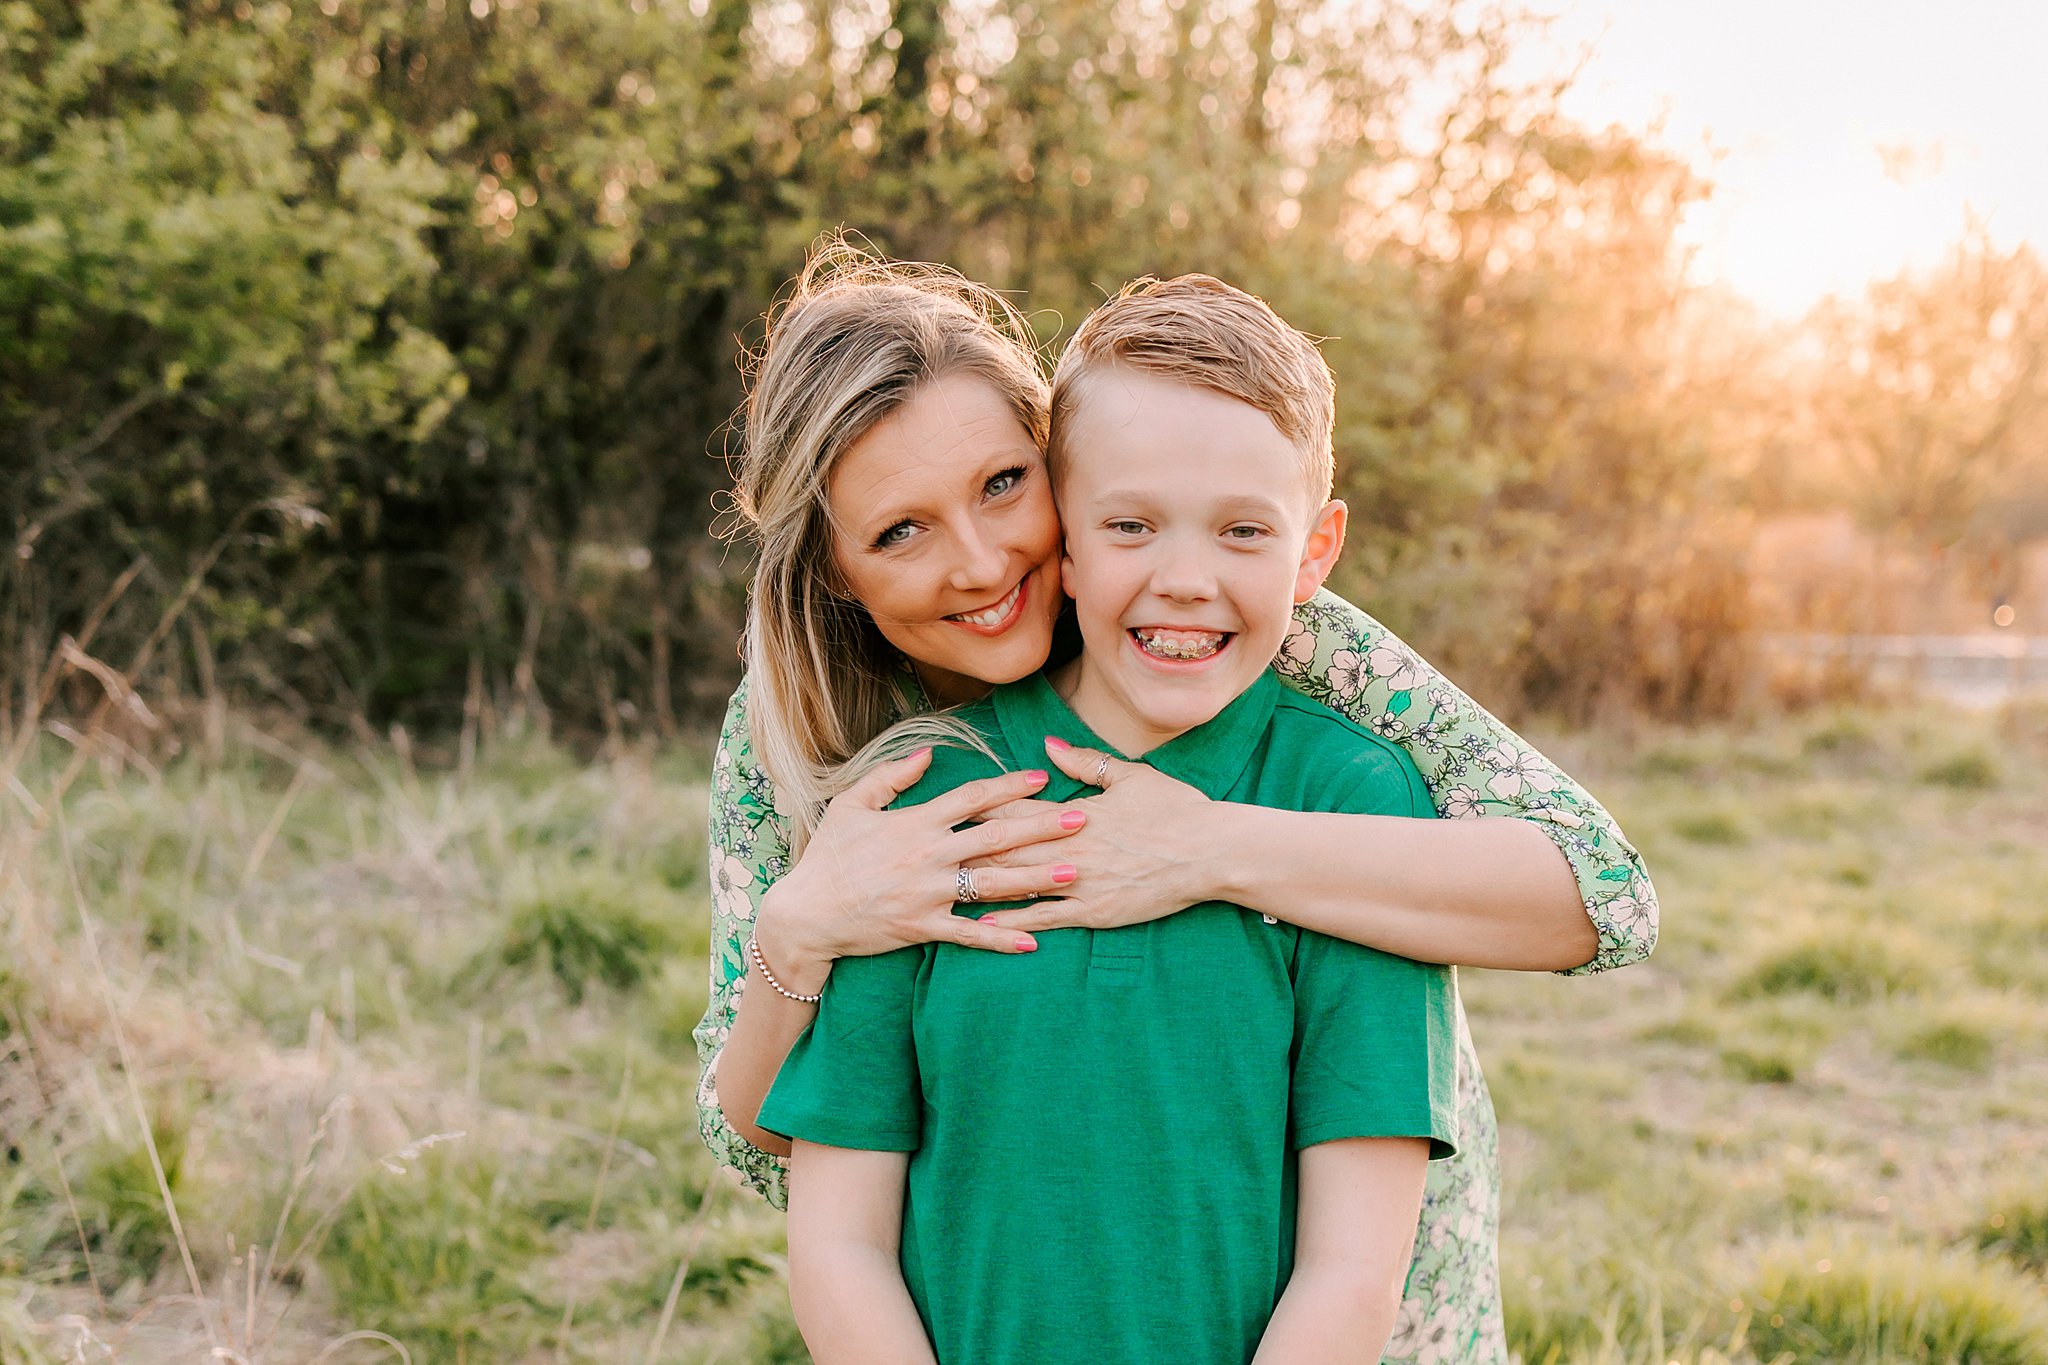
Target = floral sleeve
(1474,765)
(749,851)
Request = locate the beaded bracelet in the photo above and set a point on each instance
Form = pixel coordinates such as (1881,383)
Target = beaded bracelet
(754,951)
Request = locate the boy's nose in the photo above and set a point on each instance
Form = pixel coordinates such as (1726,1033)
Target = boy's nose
(1183,576)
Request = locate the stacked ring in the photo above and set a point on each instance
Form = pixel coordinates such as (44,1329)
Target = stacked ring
(964,888)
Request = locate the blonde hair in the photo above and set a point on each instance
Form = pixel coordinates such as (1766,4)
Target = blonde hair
(1196,329)
(856,337)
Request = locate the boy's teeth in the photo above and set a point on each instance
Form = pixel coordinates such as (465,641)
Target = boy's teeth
(1180,644)
(995,614)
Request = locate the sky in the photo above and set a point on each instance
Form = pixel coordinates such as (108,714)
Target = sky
(1846,141)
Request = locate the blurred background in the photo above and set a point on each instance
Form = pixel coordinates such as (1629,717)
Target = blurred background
(365,374)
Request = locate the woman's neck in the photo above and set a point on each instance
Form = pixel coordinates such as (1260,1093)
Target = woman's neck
(945,689)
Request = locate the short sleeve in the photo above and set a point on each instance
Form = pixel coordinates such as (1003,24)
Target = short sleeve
(852,1079)
(749,853)
(1473,764)
(1376,1052)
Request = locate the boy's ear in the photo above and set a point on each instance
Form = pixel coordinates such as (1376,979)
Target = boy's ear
(1319,555)
(1066,569)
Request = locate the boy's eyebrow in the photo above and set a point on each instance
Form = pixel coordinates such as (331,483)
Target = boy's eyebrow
(1237,502)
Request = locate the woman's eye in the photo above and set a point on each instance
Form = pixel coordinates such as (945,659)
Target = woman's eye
(1002,483)
(895,535)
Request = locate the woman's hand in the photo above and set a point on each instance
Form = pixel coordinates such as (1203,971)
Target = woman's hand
(874,879)
(1140,852)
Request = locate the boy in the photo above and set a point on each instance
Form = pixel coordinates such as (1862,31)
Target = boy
(1088,1153)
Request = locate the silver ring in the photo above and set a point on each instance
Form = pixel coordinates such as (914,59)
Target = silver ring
(963,885)
(1101,771)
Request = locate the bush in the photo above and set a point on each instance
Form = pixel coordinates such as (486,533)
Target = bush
(2017,1229)
(1894,1306)
(1970,770)
(1951,1042)
(591,927)
(1839,966)
(127,1227)
(434,1256)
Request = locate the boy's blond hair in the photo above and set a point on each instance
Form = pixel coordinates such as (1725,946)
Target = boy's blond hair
(1198,330)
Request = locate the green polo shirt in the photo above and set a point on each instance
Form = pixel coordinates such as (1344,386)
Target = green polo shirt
(1104,1130)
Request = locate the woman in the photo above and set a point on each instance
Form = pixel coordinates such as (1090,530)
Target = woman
(893,473)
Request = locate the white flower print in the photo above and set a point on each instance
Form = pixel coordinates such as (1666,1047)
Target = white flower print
(1515,770)
(1347,675)
(1629,913)
(1297,651)
(1399,668)
(1555,815)
(731,883)
(1463,803)
(1408,1325)
(1440,698)
(1387,726)
(1437,1342)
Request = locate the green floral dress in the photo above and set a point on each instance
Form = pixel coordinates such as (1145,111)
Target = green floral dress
(1474,765)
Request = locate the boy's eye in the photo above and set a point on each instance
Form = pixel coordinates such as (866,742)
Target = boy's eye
(1245,532)
(1125,528)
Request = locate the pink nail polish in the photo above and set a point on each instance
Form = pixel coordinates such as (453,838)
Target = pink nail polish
(1039,776)
(1073,819)
(1055,742)
(1027,945)
(1062,873)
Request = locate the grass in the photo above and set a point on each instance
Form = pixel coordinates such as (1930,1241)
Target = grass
(412,1050)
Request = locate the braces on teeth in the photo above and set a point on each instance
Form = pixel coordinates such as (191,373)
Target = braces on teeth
(1179,649)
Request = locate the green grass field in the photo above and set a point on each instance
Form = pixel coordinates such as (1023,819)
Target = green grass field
(412,1048)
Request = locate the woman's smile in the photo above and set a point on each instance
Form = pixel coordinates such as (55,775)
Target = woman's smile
(1000,617)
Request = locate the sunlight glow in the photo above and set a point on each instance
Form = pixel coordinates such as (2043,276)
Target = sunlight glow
(1846,140)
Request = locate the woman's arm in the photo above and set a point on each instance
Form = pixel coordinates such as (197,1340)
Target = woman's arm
(1475,766)
(1474,891)
(749,853)
(1355,1231)
(845,1279)
(871,880)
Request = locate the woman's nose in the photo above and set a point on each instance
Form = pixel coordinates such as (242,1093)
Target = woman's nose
(982,562)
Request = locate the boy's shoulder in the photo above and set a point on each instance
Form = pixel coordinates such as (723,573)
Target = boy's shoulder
(1347,767)
(956,762)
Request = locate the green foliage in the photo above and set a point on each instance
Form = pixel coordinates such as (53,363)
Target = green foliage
(20,1342)
(435,1254)
(1959,1043)
(591,927)
(1875,1306)
(2016,1227)
(1713,827)
(127,1227)
(1971,770)
(1848,967)
(404,329)
(1765,1063)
